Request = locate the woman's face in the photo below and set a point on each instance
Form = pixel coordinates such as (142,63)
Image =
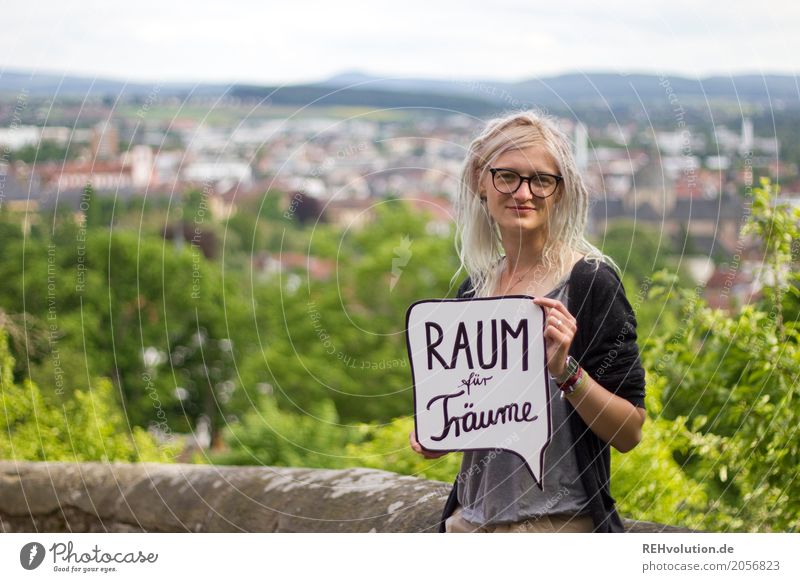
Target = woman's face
(521,211)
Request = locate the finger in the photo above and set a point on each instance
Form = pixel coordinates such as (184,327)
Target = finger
(563,313)
(562,325)
(557,350)
(554,304)
(558,338)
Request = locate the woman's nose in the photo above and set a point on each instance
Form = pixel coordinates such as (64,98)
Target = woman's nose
(523,193)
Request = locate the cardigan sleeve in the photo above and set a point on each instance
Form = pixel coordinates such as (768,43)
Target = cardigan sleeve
(607,325)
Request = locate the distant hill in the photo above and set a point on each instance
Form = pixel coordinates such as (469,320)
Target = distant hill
(472,97)
(365,96)
(50,85)
(595,88)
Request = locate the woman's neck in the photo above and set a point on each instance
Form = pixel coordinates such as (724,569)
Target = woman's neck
(523,250)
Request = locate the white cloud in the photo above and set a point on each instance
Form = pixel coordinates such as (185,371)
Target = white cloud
(281,42)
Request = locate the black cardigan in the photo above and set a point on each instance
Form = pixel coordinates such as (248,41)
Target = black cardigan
(605,346)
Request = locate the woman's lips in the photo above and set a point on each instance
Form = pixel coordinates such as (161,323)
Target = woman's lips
(521,209)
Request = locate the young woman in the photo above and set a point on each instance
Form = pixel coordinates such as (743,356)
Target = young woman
(521,211)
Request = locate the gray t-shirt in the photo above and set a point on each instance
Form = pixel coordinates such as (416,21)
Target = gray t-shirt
(495,486)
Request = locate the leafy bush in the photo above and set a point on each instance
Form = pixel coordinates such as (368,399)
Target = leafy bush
(270,436)
(86,426)
(724,386)
(386,447)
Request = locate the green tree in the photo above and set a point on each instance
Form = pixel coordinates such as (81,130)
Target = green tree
(637,249)
(728,382)
(155,320)
(84,426)
(269,436)
(344,338)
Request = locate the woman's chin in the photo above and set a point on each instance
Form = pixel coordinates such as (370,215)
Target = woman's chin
(522,223)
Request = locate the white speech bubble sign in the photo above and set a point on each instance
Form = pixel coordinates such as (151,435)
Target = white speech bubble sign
(479,369)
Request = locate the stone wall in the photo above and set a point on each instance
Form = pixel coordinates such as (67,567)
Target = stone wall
(150,497)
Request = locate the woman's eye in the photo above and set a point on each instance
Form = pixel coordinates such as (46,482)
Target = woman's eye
(508,177)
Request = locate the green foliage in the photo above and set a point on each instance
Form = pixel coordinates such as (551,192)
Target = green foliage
(269,436)
(45,151)
(387,447)
(776,224)
(343,339)
(637,250)
(728,383)
(295,370)
(100,300)
(647,482)
(87,426)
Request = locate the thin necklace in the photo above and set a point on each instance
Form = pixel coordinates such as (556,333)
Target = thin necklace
(520,278)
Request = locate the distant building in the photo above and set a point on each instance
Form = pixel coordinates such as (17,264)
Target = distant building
(728,286)
(581,146)
(440,212)
(350,213)
(213,171)
(652,193)
(102,175)
(18,137)
(105,141)
(746,142)
(142,164)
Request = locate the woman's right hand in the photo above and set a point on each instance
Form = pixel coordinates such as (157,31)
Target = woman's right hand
(424,452)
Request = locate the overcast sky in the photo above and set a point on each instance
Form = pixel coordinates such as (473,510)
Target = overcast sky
(295,41)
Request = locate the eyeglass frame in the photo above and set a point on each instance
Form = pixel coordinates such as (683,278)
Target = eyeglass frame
(523,179)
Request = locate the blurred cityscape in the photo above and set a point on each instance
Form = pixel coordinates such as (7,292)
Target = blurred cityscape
(683,177)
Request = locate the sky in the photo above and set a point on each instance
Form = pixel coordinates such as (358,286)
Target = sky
(297,41)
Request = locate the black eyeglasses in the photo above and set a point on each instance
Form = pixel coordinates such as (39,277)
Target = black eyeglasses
(508,181)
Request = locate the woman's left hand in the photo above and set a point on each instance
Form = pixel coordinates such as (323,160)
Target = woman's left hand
(559,331)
